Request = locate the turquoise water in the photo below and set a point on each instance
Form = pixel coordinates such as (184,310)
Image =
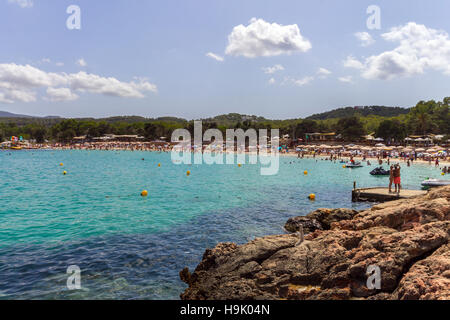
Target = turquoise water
(129,247)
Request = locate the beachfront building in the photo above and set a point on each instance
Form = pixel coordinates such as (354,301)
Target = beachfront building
(419,140)
(330,136)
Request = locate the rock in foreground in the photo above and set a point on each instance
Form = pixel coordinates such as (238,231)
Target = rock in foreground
(407,240)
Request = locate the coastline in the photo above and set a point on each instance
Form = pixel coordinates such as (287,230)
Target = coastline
(359,158)
(407,240)
(292,153)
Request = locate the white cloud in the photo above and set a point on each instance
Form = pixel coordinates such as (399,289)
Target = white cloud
(61,94)
(303,81)
(20,83)
(323,73)
(22,3)
(215,56)
(48,60)
(352,62)
(12,95)
(347,79)
(261,38)
(86,82)
(364,38)
(82,63)
(275,68)
(298,82)
(419,49)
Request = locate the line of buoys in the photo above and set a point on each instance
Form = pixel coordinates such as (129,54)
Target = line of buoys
(144,193)
(312,196)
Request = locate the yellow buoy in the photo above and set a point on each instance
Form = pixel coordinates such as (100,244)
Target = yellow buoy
(188,173)
(312,196)
(239,165)
(61,164)
(442,174)
(344,166)
(144,193)
(305,172)
(159,164)
(64,172)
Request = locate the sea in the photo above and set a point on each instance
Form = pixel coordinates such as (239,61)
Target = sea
(126,246)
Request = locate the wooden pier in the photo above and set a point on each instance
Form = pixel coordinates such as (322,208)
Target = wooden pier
(381,194)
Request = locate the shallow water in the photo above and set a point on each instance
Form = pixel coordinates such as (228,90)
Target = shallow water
(129,247)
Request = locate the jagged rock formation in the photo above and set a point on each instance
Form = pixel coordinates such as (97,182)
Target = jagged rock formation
(320,219)
(408,240)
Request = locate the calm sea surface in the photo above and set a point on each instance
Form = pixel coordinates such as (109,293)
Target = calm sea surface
(129,247)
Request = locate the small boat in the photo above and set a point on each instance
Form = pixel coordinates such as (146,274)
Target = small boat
(355,164)
(379,172)
(435,183)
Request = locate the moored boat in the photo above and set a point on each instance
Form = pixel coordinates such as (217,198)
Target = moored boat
(435,183)
(355,164)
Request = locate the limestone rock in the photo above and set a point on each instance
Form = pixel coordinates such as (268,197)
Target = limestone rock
(408,241)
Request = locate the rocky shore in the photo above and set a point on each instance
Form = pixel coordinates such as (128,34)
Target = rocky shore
(408,240)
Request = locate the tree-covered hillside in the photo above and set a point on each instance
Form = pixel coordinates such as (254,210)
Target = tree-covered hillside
(425,118)
(361,112)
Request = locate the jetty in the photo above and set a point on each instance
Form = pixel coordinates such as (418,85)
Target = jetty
(382,194)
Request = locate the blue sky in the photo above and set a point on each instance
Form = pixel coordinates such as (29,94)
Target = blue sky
(149,58)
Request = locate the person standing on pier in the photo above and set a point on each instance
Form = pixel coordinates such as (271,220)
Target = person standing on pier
(391,178)
(397,179)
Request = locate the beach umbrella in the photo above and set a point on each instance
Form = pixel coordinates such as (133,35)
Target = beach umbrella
(380,145)
(420,149)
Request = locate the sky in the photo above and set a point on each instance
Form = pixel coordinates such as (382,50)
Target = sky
(199,58)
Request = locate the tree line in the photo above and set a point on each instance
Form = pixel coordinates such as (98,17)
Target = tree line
(425,118)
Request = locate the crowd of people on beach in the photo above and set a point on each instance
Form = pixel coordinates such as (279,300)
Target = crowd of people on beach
(329,152)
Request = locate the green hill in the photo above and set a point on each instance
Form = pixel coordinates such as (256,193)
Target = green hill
(360,111)
(233,118)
